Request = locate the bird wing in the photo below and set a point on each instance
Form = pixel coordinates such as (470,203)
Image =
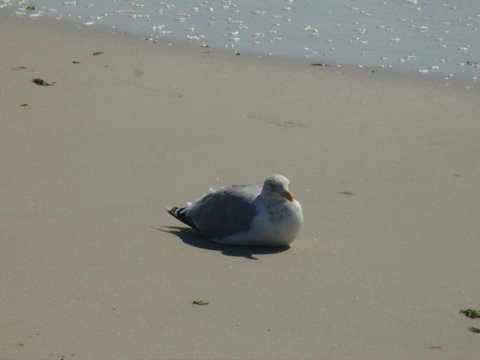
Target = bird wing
(224,212)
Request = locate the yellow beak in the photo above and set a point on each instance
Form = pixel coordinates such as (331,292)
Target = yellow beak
(287,195)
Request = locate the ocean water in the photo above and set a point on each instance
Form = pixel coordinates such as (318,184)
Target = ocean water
(439,38)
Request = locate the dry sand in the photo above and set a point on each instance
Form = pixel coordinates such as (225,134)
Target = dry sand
(91,265)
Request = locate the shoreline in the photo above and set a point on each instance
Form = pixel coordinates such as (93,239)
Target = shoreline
(92,266)
(431,79)
(450,63)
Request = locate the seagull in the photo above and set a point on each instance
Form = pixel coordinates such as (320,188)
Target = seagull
(247,215)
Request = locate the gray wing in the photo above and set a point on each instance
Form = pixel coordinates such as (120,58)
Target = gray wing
(224,212)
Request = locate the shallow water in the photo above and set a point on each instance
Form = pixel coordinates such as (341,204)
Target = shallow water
(439,38)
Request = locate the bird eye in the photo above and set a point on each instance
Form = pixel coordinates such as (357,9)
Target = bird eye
(272,186)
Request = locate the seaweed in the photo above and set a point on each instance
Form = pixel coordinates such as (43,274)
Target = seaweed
(199,302)
(41,82)
(471,313)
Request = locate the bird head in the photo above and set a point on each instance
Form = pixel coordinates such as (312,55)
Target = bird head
(275,187)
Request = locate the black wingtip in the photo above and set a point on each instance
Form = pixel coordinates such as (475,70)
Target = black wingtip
(179,214)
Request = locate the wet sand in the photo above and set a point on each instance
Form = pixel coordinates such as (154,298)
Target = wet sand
(91,265)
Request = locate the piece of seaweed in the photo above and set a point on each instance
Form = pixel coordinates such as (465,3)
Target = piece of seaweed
(41,82)
(199,302)
(471,313)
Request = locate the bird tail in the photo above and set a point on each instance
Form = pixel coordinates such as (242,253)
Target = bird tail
(179,214)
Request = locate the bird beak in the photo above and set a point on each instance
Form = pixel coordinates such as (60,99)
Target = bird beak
(287,195)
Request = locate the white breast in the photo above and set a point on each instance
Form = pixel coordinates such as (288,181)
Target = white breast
(280,223)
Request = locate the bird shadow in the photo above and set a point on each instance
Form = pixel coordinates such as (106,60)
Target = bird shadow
(193,238)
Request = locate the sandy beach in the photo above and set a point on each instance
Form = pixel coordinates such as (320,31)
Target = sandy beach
(92,267)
